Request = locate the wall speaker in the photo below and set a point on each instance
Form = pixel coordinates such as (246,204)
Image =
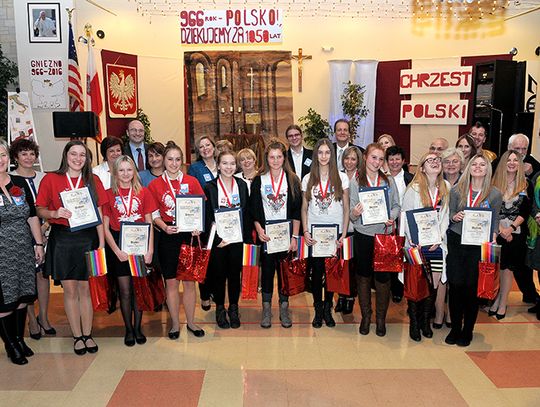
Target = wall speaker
(75,124)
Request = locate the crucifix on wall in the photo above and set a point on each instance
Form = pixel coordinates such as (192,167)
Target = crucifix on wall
(251,76)
(300,58)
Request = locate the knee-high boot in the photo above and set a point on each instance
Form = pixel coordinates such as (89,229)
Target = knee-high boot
(382,300)
(20,322)
(414,329)
(364,298)
(7,333)
(426,316)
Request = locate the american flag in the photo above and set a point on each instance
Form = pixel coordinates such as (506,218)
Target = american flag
(75,90)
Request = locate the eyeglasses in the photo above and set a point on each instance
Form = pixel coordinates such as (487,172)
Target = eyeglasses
(433,148)
(432,160)
(136,130)
(293,135)
(455,162)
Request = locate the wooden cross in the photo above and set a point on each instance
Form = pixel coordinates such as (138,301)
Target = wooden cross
(300,58)
(251,75)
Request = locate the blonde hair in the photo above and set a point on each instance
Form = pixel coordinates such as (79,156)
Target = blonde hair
(135,182)
(464,183)
(245,153)
(500,178)
(420,179)
(388,136)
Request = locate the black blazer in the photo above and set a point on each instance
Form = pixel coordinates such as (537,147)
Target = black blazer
(211,192)
(127,151)
(305,168)
(408,177)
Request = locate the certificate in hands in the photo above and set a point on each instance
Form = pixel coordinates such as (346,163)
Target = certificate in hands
(374,201)
(229,224)
(84,212)
(134,238)
(424,226)
(477,226)
(279,233)
(325,236)
(189,213)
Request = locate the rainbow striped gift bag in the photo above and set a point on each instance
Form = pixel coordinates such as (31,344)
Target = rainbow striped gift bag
(96,265)
(96,262)
(250,271)
(137,266)
(303,248)
(348,248)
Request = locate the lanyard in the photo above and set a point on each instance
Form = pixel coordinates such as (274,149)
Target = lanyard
(435,201)
(276,193)
(171,188)
(130,201)
(325,191)
(225,191)
(376,184)
(71,183)
(472,202)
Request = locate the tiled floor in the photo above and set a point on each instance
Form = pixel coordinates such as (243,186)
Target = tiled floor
(252,366)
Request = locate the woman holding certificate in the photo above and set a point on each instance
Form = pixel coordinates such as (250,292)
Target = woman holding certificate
(325,219)
(165,190)
(513,230)
(425,204)
(474,208)
(276,201)
(374,209)
(128,201)
(226,204)
(70,199)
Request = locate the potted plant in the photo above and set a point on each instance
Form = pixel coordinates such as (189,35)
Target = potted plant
(314,127)
(352,103)
(8,75)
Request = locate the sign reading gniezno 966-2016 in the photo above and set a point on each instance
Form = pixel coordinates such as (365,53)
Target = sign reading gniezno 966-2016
(246,26)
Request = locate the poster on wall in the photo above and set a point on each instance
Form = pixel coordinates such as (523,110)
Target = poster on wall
(121,90)
(20,119)
(247,26)
(48,84)
(44,22)
(441,112)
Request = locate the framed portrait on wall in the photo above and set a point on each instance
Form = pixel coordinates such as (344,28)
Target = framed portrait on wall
(44,22)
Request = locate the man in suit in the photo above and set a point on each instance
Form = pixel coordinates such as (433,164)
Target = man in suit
(299,157)
(343,140)
(136,148)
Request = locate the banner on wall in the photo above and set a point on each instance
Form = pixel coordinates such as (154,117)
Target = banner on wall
(247,26)
(47,83)
(441,112)
(442,80)
(20,118)
(121,90)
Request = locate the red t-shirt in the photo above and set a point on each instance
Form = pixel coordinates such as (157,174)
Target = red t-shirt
(50,188)
(142,204)
(164,197)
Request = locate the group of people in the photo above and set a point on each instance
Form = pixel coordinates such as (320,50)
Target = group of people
(139,182)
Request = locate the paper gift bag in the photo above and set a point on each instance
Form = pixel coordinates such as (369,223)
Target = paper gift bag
(337,275)
(192,262)
(250,271)
(99,292)
(488,280)
(388,253)
(293,275)
(416,286)
(144,299)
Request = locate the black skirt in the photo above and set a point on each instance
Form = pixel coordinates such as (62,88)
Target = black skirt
(65,252)
(116,267)
(169,250)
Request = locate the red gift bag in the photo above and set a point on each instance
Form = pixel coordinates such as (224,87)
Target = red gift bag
(387,252)
(99,292)
(293,275)
(142,293)
(488,280)
(416,286)
(192,262)
(157,288)
(337,275)
(250,282)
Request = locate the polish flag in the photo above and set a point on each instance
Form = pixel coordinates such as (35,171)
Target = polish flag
(93,92)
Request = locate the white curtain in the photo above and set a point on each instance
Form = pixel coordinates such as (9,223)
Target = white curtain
(366,75)
(340,73)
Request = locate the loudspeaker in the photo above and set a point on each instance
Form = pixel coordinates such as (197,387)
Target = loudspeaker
(75,124)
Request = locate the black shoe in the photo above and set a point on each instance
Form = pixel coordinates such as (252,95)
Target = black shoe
(397,299)
(349,305)
(530,299)
(80,351)
(174,335)
(15,355)
(140,338)
(534,310)
(129,339)
(318,318)
(24,347)
(340,305)
(437,326)
(327,315)
(199,333)
(206,307)
(35,336)
(234,317)
(452,337)
(221,317)
(491,313)
(464,340)
(380,327)
(90,349)
(448,324)
(500,316)
(50,331)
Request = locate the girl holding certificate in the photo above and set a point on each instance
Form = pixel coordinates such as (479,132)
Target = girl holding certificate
(226,204)
(275,196)
(473,190)
(66,248)
(513,230)
(371,175)
(127,201)
(429,190)
(164,190)
(325,202)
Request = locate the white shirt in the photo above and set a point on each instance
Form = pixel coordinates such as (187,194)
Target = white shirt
(102,171)
(228,200)
(325,211)
(275,207)
(297,160)
(400,183)
(339,155)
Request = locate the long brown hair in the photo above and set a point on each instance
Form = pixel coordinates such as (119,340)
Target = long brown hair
(333,173)
(86,173)
(421,181)
(464,183)
(500,179)
(362,174)
(275,144)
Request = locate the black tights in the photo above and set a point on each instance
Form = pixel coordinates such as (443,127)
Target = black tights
(128,306)
(318,274)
